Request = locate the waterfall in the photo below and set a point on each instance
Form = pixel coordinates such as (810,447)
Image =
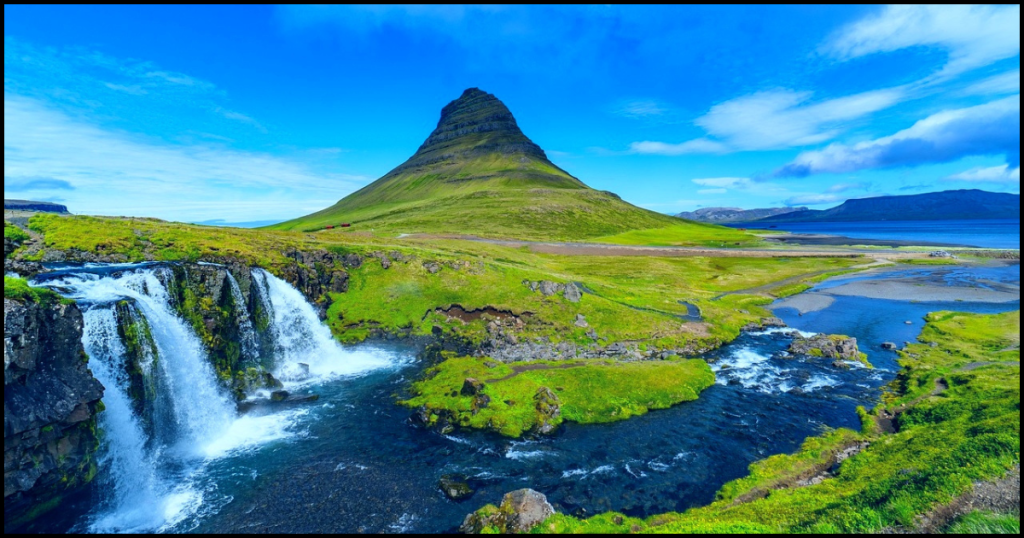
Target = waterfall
(246,332)
(155,451)
(301,339)
(133,473)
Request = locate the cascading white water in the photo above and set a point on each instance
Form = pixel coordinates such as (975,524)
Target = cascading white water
(133,472)
(300,337)
(199,411)
(246,332)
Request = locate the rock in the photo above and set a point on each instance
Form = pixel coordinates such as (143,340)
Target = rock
(50,404)
(472,387)
(432,267)
(480,401)
(572,293)
(548,408)
(455,487)
(548,288)
(519,512)
(827,346)
(889,346)
(581,321)
(279,395)
(385,262)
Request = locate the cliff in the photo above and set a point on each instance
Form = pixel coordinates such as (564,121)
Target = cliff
(50,405)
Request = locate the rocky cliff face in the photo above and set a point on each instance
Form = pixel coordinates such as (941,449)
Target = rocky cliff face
(50,405)
(476,123)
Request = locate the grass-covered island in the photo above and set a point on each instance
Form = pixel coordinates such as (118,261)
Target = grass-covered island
(537,396)
(937,454)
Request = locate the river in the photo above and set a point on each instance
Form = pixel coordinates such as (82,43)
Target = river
(352,462)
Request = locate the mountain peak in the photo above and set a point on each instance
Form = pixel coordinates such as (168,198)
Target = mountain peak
(475,124)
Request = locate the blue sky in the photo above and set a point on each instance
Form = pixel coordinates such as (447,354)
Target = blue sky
(253,114)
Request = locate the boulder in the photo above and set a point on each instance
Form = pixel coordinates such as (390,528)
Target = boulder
(581,321)
(548,410)
(279,395)
(519,512)
(548,288)
(889,346)
(829,346)
(572,293)
(455,487)
(432,267)
(472,387)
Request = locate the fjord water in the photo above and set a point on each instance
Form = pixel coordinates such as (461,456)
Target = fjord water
(1002,233)
(351,462)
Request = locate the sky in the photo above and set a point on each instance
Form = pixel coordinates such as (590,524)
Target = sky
(258,114)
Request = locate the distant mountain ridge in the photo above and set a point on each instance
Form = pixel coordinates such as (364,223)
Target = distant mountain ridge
(946,205)
(29,205)
(725,215)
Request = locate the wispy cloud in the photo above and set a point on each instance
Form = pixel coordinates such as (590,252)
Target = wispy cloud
(989,129)
(992,174)
(700,145)
(1003,83)
(843,187)
(35,183)
(724,182)
(116,173)
(973,35)
(775,119)
(238,116)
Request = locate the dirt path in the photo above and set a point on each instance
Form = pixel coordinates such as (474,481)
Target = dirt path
(603,249)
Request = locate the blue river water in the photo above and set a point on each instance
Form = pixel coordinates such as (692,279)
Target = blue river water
(976,233)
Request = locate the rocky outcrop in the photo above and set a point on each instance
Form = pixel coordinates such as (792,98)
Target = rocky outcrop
(571,292)
(50,405)
(315,273)
(829,346)
(519,512)
(455,487)
(548,410)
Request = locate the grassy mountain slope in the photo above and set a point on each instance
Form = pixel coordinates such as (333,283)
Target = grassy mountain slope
(477,173)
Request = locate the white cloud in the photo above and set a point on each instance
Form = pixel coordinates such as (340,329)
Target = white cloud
(993,174)
(700,145)
(843,187)
(973,35)
(724,182)
(989,129)
(116,173)
(238,116)
(773,120)
(642,109)
(1004,83)
(785,118)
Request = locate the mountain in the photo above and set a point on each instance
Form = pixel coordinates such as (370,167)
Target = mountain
(945,205)
(477,173)
(724,215)
(28,205)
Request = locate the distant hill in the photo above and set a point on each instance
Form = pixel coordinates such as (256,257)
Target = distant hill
(477,173)
(945,205)
(28,205)
(724,215)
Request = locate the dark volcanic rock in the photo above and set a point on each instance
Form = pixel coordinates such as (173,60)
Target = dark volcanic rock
(476,123)
(455,487)
(471,387)
(50,405)
(548,409)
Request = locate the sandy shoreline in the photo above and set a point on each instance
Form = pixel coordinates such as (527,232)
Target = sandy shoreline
(916,288)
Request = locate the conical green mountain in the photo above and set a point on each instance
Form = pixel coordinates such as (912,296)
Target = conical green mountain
(477,173)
